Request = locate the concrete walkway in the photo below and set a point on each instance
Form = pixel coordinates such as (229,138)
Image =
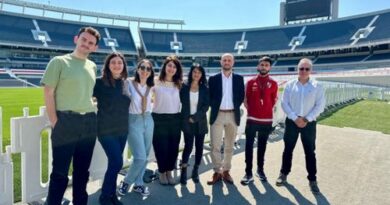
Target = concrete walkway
(353,168)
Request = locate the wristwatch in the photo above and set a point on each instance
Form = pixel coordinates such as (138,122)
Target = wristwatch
(305,120)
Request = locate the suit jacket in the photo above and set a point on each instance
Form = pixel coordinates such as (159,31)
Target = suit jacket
(201,110)
(215,84)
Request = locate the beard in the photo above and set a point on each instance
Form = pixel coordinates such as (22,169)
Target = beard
(226,68)
(263,72)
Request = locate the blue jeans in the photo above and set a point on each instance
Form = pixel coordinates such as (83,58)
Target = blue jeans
(113,147)
(140,141)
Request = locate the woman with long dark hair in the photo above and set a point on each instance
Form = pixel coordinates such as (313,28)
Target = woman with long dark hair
(166,116)
(112,118)
(141,125)
(194,97)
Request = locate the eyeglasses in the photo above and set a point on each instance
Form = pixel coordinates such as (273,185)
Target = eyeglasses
(145,68)
(304,69)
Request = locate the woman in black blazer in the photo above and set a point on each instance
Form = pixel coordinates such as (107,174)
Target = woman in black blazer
(194,96)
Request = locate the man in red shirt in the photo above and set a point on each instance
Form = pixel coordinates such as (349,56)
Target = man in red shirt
(260,97)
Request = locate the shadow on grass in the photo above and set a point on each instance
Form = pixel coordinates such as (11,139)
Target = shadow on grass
(329,111)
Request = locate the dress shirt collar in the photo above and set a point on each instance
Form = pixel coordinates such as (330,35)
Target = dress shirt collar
(224,76)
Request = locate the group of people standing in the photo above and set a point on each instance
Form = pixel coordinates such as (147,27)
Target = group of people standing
(146,112)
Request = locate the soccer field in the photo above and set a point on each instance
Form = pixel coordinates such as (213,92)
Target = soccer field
(13,100)
(366,115)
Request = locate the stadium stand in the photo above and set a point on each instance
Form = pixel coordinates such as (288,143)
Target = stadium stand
(350,41)
(287,62)
(246,63)
(333,33)
(316,35)
(273,39)
(379,56)
(191,42)
(340,59)
(157,42)
(3,74)
(382,29)
(24,54)
(19,30)
(356,42)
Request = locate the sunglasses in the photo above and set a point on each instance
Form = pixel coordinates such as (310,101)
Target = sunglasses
(304,69)
(145,68)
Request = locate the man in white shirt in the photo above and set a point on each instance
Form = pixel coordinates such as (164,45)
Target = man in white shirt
(303,101)
(226,96)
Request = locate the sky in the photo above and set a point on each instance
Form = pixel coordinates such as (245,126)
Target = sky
(209,14)
(202,14)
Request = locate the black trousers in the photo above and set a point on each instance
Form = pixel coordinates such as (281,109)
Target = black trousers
(166,139)
(73,137)
(308,138)
(189,142)
(262,132)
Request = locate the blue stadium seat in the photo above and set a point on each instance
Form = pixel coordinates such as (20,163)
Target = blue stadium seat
(157,41)
(206,42)
(124,39)
(379,56)
(16,29)
(340,59)
(293,62)
(252,64)
(271,39)
(381,30)
(333,33)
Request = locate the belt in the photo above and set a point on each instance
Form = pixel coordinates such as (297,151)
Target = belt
(226,110)
(74,113)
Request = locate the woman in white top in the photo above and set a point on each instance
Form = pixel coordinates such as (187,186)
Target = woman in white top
(140,127)
(166,116)
(194,96)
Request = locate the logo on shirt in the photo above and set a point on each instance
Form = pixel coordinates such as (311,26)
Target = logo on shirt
(254,87)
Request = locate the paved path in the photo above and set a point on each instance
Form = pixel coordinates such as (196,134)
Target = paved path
(353,168)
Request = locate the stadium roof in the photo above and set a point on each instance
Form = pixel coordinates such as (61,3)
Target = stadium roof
(81,13)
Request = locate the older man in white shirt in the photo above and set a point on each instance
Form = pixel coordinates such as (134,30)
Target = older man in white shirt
(303,101)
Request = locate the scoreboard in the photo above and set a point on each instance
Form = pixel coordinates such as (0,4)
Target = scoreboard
(306,9)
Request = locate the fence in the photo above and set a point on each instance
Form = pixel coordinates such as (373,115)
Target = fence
(6,170)
(338,93)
